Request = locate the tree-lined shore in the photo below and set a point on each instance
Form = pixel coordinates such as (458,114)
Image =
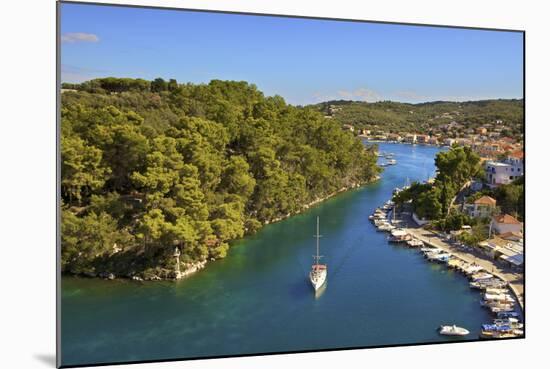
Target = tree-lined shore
(153,166)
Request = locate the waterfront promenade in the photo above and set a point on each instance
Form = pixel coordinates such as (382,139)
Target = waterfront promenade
(515,279)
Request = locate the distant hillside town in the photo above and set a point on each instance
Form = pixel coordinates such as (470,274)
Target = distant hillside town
(493,129)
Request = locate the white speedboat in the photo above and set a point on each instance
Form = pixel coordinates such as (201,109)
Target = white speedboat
(318,274)
(386,227)
(379,222)
(501,297)
(473,269)
(453,330)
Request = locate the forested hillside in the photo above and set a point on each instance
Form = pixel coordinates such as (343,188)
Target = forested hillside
(428,117)
(151,166)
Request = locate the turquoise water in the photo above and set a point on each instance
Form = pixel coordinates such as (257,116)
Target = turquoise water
(259,300)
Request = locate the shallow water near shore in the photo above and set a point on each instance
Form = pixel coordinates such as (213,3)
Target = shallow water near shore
(259,300)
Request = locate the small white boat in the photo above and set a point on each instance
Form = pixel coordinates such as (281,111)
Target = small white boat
(481,276)
(415,243)
(438,256)
(431,251)
(453,330)
(504,297)
(472,269)
(391,162)
(502,309)
(379,222)
(386,227)
(488,283)
(496,291)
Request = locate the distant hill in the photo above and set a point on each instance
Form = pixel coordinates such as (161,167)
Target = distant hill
(430,117)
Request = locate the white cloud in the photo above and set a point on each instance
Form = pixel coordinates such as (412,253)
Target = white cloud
(79,37)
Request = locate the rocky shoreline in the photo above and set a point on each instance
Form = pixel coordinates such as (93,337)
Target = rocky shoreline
(191,268)
(321,199)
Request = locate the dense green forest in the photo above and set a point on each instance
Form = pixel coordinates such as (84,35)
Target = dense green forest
(148,166)
(388,116)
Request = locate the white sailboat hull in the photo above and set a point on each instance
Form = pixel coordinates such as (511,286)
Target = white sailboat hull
(318,278)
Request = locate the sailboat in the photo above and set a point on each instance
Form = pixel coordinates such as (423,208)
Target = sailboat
(318,274)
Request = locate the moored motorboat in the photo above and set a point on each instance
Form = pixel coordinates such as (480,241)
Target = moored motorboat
(488,283)
(399,235)
(415,243)
(481,276)
(385,227)
(507,314)
(502,297)
(504,308)
(438,256)
(496,290)
(453,330)
(472,269)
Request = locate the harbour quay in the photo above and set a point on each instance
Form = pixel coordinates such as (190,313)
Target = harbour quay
(501,290)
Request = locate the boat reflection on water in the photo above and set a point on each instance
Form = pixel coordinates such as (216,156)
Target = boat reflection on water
(321,290)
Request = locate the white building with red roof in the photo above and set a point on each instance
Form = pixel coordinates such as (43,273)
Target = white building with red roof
(506,223)
(484,207)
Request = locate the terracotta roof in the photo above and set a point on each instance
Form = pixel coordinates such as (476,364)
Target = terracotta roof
(497,241)
(518,154)
(486,200)
(506,219)
(511,235)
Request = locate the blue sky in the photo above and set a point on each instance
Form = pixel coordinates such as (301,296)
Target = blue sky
(303,60)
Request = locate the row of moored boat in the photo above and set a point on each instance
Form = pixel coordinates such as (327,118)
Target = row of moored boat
(495,292)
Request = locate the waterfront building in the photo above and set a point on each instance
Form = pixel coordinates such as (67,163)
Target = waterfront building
(516,158)
(464,142)
(422,139)
(484,207)
(449,141)
(510,253)
(503,172)
(505,223)
(394,137)
(512,236)
(410,138)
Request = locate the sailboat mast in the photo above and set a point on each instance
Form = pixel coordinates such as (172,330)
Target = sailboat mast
(317,257)
(317,239)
